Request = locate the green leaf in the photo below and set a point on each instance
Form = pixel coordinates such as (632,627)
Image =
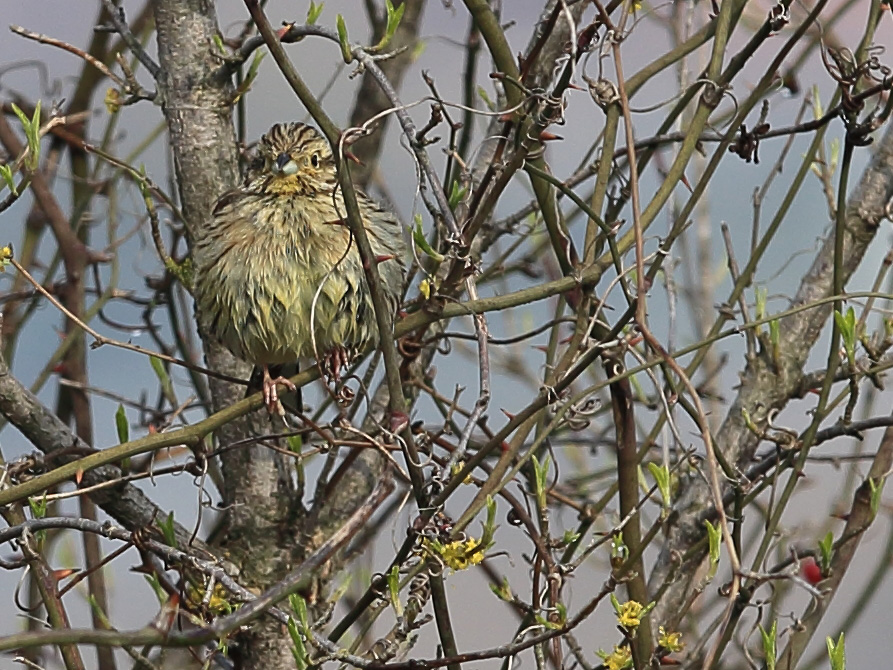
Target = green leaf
(394,17)
(342,39)
(540,476)
(122,425)
(298,622)
(835,156)
(619,550)
(826,548)
(298,651)
(418,236)
(714,537)
(847,327)
(489,524)
(836,653)
(218,42)
(255,66)
(313,12)
(817,110)
(394,590)
(32,133)
(167,530)
(774,335)
(342,588)
(545,623)
(98,611)
(23,118)
(295,443)
(661,474)
(482,94)
(769,644)
(38,506)
(167,388)
(457,193)
(761,293)
(250,76)
(159,591)
(502,591)
(748,421)
(6,174)
(35,120)
(299,607)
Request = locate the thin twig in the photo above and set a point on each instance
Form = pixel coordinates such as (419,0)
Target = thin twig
(80,53)
(101,340)
(116,15)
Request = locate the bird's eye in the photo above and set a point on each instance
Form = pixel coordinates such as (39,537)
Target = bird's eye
(314,160)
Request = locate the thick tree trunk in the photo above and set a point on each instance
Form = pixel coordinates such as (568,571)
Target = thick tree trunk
(257,535)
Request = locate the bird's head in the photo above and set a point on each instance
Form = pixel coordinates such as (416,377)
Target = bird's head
(296,159)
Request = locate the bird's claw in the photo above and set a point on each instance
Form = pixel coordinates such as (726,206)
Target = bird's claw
(271,394)
(336,360)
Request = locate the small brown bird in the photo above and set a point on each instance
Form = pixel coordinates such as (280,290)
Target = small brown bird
(278,275)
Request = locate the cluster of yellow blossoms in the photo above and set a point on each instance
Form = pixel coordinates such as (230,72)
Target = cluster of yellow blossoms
(456,555)
(629,617)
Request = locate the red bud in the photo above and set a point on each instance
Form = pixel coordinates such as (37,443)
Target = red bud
(283,31)
(811,571)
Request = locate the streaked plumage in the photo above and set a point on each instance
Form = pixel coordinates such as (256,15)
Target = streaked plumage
(278,256)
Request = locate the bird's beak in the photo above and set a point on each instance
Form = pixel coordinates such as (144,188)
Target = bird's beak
(284,165)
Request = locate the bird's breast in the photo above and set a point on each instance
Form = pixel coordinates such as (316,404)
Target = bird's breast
(282,280)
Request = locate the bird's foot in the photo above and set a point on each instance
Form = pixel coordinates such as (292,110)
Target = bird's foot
(337,360)
(271,395)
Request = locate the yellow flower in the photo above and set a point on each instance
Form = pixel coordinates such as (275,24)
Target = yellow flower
(670,641)
(620,658)
(457,555)
(5,256)
(425,288)
(217,605)
(629,615)
(457,468)
(113,100)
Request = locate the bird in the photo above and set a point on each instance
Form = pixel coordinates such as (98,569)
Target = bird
(277,274)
